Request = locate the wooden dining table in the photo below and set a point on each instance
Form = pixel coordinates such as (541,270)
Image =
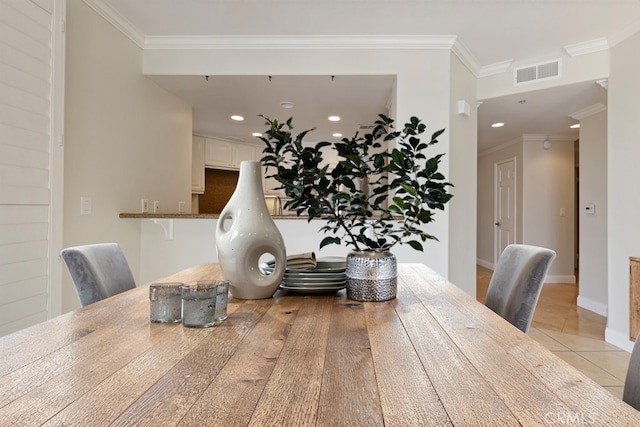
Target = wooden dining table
(432,356)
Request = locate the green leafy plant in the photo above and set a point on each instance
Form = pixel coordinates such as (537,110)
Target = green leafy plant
(373,198)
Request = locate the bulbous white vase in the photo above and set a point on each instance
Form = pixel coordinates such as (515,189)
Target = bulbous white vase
(244,233)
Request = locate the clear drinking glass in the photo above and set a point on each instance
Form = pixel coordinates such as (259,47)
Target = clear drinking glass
(165,302)
(199,304)
(222,298)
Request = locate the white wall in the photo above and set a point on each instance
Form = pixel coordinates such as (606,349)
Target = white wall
(549,187)
(623,176)
(463,173)
(125,139)
(593,228)
(423,90)
(486,201)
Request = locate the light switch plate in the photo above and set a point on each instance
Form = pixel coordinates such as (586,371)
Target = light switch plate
(145,205)
(156,206)
(182,207)
(85,206)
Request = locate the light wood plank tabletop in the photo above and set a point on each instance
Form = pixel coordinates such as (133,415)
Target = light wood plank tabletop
(433,356)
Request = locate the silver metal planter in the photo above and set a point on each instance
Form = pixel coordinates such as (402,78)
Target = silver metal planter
(371,276)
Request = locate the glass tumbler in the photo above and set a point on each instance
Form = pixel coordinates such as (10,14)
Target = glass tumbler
(222,298)
(199,304)
(165,302)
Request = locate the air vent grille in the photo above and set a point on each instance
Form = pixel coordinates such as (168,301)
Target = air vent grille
(537,72)
(366,127)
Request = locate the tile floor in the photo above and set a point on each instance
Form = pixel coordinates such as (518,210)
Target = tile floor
(574,334)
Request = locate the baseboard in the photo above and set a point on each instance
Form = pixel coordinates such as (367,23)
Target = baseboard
(560,279)
(592,305)
(619,340)
(485,264)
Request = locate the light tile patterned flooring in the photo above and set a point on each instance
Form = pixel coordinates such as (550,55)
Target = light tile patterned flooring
(574,334)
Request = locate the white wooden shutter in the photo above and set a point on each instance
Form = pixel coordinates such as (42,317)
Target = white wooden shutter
(25,150)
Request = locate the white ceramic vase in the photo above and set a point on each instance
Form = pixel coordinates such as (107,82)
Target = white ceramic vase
(245,232)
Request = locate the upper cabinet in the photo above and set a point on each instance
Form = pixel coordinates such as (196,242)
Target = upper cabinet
(242,152)
(228,155)
(197,165)
(218,153)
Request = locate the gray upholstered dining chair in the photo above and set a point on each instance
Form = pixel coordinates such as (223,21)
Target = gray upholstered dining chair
(516,283)
(98,271)
(631,393)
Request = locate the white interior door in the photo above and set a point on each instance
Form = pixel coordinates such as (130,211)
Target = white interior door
(505,208)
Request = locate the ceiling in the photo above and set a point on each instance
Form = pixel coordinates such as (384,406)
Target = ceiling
(491,31)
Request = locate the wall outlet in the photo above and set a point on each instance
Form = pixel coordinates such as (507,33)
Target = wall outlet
(156,206)
(144,205)
(182,207)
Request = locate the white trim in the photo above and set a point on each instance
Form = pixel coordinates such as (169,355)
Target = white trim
(56,160)
(499,147)
(588,111)
(559,278)
(584,48)
(120,22)
(497,68)
(625,33)
(619,340)
(591,305)
(485,264)
(536,137)
(466,57)
(298,42)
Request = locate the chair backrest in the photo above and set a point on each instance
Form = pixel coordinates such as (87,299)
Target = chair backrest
(516,283)
(98,271)
(631,393)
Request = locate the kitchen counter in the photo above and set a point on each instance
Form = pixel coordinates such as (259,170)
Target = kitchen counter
(171,242)
(194,216)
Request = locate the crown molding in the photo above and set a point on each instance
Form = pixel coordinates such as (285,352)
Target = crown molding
(588,111)
(298,42)
(502,146)
(117,20)
(538,137)
(466,57)
(497,68)
(625,33)
(584,48)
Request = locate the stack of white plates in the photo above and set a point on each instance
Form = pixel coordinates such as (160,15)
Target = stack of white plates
(326,277)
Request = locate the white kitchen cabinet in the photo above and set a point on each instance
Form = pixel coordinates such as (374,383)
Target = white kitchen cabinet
(242,152)
(218,153)
(197,165)
(228,155)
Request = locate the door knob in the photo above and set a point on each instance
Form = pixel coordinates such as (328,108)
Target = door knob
(498,223)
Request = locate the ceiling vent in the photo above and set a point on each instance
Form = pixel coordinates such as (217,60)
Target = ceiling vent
(536,72)
(366,127)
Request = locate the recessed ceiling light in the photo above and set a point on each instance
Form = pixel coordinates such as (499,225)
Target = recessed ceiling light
(337,135)
(497,125)
(576,126)
(237,118)
(258,134)
(287,104)
(334,118)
